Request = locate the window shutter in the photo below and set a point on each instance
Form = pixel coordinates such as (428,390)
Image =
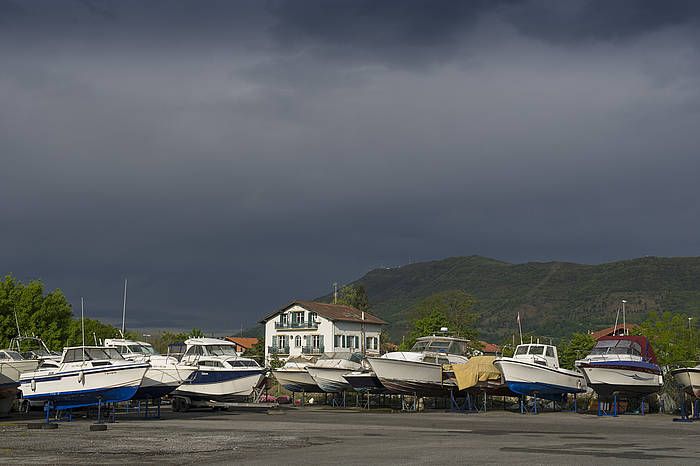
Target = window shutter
(306,341)
(320,341)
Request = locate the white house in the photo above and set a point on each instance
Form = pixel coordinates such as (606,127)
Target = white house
(311,328)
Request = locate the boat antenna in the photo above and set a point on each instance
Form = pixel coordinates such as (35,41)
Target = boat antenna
(520,328)
(616,318)
(124,309)
(82,323)
(94,337)
(335,293)
(624,319)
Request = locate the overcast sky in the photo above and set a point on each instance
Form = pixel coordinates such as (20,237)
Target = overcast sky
(228,157)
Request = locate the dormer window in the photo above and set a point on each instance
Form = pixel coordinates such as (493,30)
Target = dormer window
(312,317)
(283,319)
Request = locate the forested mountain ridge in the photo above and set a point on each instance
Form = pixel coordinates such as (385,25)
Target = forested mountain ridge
(553,298)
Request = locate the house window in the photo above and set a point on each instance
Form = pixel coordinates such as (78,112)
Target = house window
(298,317)
(316,341)
(297,341)
(281,341)
(371,343)
(312,317)
(283,319)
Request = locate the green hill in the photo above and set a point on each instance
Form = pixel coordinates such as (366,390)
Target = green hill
(554,298)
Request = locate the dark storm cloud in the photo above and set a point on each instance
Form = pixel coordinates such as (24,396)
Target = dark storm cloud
(230,156)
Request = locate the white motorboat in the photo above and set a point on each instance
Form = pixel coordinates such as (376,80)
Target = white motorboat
(8,394)
(689,379)
(622,365)
(534,370)
(13,364)
(164,374)
(294,377)
(420,370)
(86,376)
(221,375)
(328,371)
(33,347)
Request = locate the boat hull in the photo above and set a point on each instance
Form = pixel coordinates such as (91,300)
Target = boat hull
(221,385)
(330,379)
(410,377)
(526,378)
(622,378)
(81,388)
(689,379)
(365,382)
(160,381)
(296,381)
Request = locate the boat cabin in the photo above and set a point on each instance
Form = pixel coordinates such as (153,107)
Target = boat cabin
(95,355)
(630,345)
(441,344)
(215,353)
(131,348)
(545,355)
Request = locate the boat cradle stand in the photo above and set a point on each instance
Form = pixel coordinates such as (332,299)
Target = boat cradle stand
(469,405)
(695,415)
(524,409)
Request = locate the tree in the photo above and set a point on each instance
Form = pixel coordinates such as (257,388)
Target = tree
(196,333)
(671,336)
(451,309)
(355,296)
(47,316)
(257,351)
(95,332)
(577,347)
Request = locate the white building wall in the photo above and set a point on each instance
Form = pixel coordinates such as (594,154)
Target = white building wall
(326,328)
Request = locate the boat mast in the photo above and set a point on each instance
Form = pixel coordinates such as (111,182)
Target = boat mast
(82,323)
(624,320)
(124,310)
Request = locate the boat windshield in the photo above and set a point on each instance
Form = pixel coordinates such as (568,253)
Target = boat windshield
(221,350)
(242,363)
(536,349)
(440,346)
(76,354)
(14,355)
(521,350)
(617,347)
(419,346)
(148,349)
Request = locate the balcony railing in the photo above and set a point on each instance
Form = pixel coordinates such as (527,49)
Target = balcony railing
(295,325)
(278,349)
(312,349)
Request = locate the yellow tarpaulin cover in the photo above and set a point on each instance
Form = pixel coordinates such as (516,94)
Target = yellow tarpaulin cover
(477,369)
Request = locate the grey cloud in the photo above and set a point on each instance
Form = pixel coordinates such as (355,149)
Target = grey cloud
(230,157)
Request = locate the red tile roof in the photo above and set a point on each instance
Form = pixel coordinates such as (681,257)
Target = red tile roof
(487,347)
(244,342)
(339,312)
(606,332)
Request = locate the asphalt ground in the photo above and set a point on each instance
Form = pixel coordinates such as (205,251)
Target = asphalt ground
(347,437)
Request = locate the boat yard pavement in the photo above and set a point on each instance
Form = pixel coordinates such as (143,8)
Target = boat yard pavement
(328,436)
